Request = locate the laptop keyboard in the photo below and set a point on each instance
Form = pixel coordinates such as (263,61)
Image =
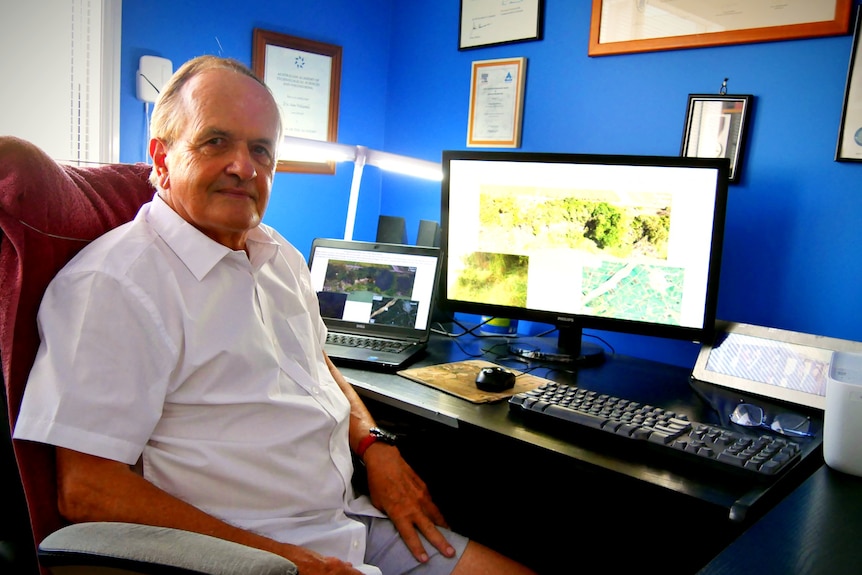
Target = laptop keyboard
(372,343)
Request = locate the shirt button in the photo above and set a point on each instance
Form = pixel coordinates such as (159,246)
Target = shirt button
(315,390)
(356,544)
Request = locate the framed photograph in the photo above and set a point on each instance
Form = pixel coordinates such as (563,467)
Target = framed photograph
(490,22)
(850,132)
(305,77)
(496,103)
(716,126)
(624,26)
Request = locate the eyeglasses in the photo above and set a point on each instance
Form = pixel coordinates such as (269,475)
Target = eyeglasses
(750,415)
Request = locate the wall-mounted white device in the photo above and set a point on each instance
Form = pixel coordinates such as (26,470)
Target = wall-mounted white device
(153,74)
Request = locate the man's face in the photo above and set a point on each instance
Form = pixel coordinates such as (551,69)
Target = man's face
(218,173)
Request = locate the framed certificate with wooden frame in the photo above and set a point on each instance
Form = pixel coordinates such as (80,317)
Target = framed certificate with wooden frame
(496,103)
(305,78)
(625,26)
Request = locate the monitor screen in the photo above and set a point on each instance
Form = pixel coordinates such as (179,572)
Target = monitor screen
(617,243)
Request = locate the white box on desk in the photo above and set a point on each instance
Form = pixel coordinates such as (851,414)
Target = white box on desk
(842,419)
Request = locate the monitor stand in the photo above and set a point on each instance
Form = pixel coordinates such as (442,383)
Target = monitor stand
(570,349)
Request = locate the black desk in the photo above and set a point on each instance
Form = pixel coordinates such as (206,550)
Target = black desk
(815,530)
(484,464)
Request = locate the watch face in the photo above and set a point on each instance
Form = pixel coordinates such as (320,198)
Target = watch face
(383,435)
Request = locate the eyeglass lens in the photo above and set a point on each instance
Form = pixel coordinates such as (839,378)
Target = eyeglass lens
(749,415)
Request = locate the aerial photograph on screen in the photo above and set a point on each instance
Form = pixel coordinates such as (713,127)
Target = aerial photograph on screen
(619,242)
(385,287)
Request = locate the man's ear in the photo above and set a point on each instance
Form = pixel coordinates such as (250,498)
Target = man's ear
(159,153)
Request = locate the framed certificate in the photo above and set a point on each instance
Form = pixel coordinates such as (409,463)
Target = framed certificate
(623,26)
(305,78)
(490,22)
(496,103)
(850,132)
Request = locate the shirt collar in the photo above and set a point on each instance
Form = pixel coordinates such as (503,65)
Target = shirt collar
(200,253)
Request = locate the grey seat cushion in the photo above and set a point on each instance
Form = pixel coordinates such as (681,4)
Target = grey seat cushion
(133,548)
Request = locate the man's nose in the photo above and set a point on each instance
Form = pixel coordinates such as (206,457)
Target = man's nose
(242,164)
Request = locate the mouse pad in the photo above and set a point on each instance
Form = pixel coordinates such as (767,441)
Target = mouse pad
(459,379)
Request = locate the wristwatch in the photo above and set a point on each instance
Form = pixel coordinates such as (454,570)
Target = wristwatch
(375,434)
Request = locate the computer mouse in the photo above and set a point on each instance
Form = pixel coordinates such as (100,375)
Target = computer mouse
(495,379)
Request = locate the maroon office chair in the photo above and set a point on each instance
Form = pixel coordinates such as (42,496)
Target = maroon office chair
(48,213)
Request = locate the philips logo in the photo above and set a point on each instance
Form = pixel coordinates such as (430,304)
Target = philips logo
(360,326)
(566,319)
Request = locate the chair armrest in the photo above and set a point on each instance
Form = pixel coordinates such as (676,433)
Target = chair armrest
(133,548)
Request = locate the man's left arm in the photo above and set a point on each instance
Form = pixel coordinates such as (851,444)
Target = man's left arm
(394,487)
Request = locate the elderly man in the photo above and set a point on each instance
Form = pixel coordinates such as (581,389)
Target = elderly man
(182,377)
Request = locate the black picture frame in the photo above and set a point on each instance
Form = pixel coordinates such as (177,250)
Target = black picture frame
(716,126)
(483,23)
(849,147)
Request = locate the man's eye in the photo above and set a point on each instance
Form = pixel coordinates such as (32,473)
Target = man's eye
(212,145)
(263,154)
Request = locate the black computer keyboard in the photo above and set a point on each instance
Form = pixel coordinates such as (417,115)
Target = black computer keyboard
(764,456)
(372,343)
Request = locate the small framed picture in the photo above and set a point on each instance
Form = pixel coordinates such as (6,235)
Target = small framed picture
(716,127)
(850,132)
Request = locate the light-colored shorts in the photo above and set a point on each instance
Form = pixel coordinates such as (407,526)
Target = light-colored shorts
(386,550)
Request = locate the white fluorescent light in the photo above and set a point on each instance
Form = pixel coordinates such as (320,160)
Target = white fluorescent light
(307,150)
(405,165)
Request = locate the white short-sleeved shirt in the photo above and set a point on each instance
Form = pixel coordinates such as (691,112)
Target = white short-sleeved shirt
(159,342)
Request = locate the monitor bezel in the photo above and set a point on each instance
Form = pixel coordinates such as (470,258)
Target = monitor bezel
(577,321)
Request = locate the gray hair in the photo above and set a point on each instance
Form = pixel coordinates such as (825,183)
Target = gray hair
(166,120)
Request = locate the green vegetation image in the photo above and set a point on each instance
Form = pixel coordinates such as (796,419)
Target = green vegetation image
(509,274)
(591,225)
(387,288)
(634,292)
(381,279)
(624,242)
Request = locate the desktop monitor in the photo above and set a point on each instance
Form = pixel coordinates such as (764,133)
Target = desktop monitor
(607,242)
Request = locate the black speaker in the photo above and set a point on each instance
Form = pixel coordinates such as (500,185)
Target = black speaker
(429,234)
(391,230)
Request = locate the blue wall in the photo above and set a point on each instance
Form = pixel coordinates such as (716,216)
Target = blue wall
(303,206)
(793,245)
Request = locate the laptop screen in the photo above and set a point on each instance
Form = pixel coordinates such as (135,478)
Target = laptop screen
(374,288)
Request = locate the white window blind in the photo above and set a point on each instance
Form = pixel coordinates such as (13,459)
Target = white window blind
(60,61)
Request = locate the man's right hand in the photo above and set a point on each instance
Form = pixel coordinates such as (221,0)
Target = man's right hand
(93,488)
(311,563)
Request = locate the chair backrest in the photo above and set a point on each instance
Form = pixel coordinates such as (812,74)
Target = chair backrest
(48,212)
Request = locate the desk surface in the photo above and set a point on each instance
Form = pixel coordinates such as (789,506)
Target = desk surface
(814,530)
(644,381)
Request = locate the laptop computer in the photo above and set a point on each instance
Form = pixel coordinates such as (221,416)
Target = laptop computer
(376,300)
